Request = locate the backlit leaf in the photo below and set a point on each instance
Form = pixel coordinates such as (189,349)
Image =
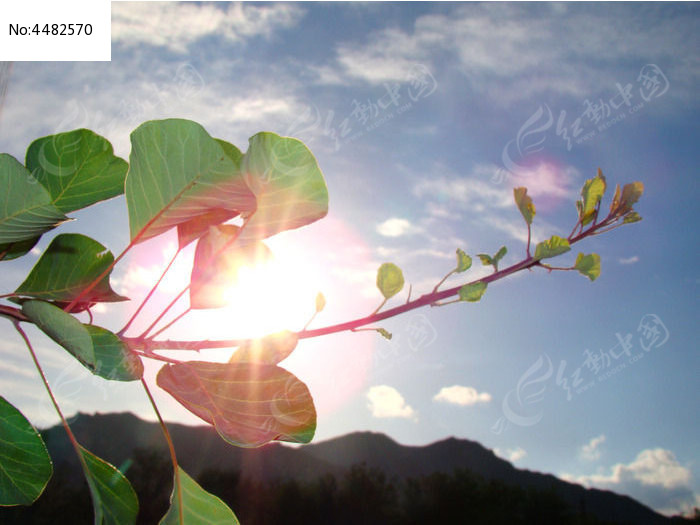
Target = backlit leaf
(25,205)
(631,193)
(588,265)
(194,228)
(525,204)
(198,506)
(268,350)
(63,328)
(631,217)
(70,263)
(231,151)
(217,261)
(464,262)
(551,247)
(78,168)
(472,292)
(384,333)
(486,259)
(113,499)
(113,360)
(616,199)
(500,254)
(249,404)
(25,465)
(178,172)
(290,189)
(320,302)
(389,280)
(592,191)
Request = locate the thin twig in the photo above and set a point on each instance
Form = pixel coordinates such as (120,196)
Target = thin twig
(171,448)
(148,296)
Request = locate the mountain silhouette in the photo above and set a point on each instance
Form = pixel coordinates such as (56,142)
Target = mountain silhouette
(125,440)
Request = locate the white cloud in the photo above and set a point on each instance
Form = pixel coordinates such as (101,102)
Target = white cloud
(628,260)
(511,454)
(591,450)
(386,402)
(491,43)
(477,197)
(395,227)
(655,478)
(465,191)
(175,25)
(461,395)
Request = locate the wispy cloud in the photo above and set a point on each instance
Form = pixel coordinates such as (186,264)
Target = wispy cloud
(385,401)
(591,450)
(628,260)
(511,454)
(654,477)
(461,395)
(474,198)
(490,43)
(175,25)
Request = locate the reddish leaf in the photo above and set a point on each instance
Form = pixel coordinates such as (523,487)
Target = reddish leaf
(249,404)
(217,260)
(194,228)
(268,350)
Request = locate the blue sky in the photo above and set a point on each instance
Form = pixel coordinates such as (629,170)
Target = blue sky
(423,117)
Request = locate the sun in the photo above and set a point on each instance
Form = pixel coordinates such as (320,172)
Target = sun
(273,295)
(265,296)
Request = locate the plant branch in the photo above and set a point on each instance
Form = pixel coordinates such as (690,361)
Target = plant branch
(424,300)
(131,244)
(177,318)
(12,313)
(69,432)
(171,448)
(438,285)
(165,311)
(148,296)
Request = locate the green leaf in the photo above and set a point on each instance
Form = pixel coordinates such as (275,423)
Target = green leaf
(592,191)
(464,262)
(113,360)
(63,328)
(78,168)
(232,152)
(268,350)
(551,247)
(217,261)
(486,259)
(71,263)
(249,404)
(27,211)
(113,498)
(320,302)
(631,193)
(177,173)
(198,505)
(631,217)
(588,265)
(384,333)
(25,465)
(290,189)
(524,203)
(500,254)
(472,292)
(389,280)
(14,250)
